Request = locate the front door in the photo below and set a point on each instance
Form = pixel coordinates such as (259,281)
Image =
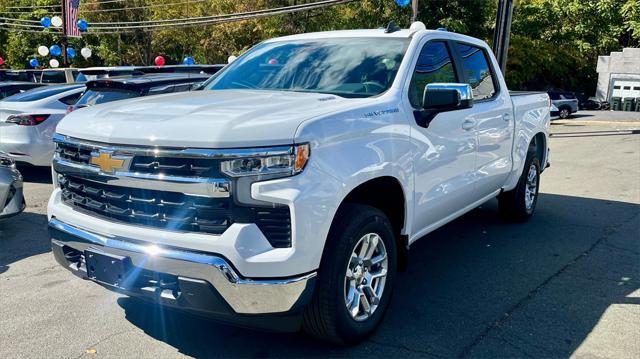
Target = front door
(445,151)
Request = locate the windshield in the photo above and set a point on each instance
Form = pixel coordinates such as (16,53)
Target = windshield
(39,93)
(348,67)
(54,77)
(97,96)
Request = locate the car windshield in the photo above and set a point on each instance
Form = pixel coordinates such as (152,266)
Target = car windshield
(54,77)
(38,93)
(97,96)
(348,67)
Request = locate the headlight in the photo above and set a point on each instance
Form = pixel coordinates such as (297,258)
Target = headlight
(6,161)
(276,162)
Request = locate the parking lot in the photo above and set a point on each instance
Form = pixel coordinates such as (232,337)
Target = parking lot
(566,283)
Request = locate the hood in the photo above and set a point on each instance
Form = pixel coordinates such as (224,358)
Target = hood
(205,119)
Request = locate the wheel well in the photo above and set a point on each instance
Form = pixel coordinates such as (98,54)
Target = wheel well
(538,144)
(386,194)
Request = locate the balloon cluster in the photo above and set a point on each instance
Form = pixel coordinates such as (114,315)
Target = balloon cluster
(56,50)
(1,61)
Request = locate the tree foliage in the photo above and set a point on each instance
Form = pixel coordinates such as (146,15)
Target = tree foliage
(554,43)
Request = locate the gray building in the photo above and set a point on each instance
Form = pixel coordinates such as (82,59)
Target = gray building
(619,74)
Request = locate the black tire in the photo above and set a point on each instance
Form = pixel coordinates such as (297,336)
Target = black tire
(327,317)
(512,204)
(564,113)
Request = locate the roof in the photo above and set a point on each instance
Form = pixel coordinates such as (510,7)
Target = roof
(404,33)
(19,83)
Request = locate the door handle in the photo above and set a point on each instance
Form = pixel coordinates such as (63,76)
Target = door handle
(506,117)
(468,125)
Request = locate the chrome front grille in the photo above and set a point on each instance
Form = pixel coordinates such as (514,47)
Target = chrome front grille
(179,190)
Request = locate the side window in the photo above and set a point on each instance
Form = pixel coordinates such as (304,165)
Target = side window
(477,71)
(434,65)
(71,99)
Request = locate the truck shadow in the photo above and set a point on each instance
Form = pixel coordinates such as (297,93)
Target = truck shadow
(476,287)
(22,236)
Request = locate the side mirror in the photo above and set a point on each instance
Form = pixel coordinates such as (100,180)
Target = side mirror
(443,97)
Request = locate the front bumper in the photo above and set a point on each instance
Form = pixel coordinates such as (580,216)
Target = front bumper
(195,281)
(11,195)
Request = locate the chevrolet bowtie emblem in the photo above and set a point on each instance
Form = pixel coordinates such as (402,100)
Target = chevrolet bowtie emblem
(107,162)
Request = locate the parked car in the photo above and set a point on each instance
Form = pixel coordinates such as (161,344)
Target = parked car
(193,69)
(11,197)
(287,192)
(594,104)
(20,75)
(96,73)
(28,121)
(565,101)
(58,76)
(115,89)
(11,88)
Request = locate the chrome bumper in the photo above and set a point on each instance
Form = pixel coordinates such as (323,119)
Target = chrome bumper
(197,274)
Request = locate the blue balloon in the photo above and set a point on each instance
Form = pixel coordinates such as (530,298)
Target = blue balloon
(403,3)
(83,25)
(71,52)
(189,60)
(34,63)
(55,50)
(45,21)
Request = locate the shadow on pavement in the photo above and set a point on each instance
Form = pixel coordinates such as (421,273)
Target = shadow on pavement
(477,287)
(22,236)
(35,174)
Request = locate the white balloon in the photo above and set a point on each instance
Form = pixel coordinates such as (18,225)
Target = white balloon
(85,52)
(231,59)
(56,21)
(54,63)
(43,51)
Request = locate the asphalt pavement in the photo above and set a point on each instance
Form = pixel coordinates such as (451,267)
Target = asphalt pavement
(567,283)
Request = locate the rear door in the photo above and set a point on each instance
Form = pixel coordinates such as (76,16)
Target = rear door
(492,116)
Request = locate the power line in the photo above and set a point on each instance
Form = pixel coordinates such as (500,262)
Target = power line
(218,18)
(187,22)
(34,7)
(142,7)
(19,20)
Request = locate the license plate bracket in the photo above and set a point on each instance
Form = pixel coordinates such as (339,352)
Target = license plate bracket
(107,268)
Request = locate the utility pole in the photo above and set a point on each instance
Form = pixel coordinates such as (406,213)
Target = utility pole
(414,10)
(502,32)
(65,42)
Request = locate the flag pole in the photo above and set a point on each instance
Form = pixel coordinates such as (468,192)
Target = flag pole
(65,43)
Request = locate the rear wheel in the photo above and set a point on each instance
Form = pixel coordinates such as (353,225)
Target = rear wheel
(520,203)
(564,113)
(356,277)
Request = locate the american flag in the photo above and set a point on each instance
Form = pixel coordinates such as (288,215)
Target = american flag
(70,9)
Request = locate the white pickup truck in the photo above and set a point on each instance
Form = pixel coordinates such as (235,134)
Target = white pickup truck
(286,193)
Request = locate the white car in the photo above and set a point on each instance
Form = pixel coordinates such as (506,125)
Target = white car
(11,197)
(28,121)
(286,192)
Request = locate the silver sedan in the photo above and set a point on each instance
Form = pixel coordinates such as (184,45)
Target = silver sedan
(11,197)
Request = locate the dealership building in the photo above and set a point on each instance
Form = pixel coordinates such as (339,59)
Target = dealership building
(619,75)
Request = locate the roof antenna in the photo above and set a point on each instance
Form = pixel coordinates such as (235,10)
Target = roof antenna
(392,27)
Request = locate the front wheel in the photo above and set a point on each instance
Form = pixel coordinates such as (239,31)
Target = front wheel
(519,204)
(356,277)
